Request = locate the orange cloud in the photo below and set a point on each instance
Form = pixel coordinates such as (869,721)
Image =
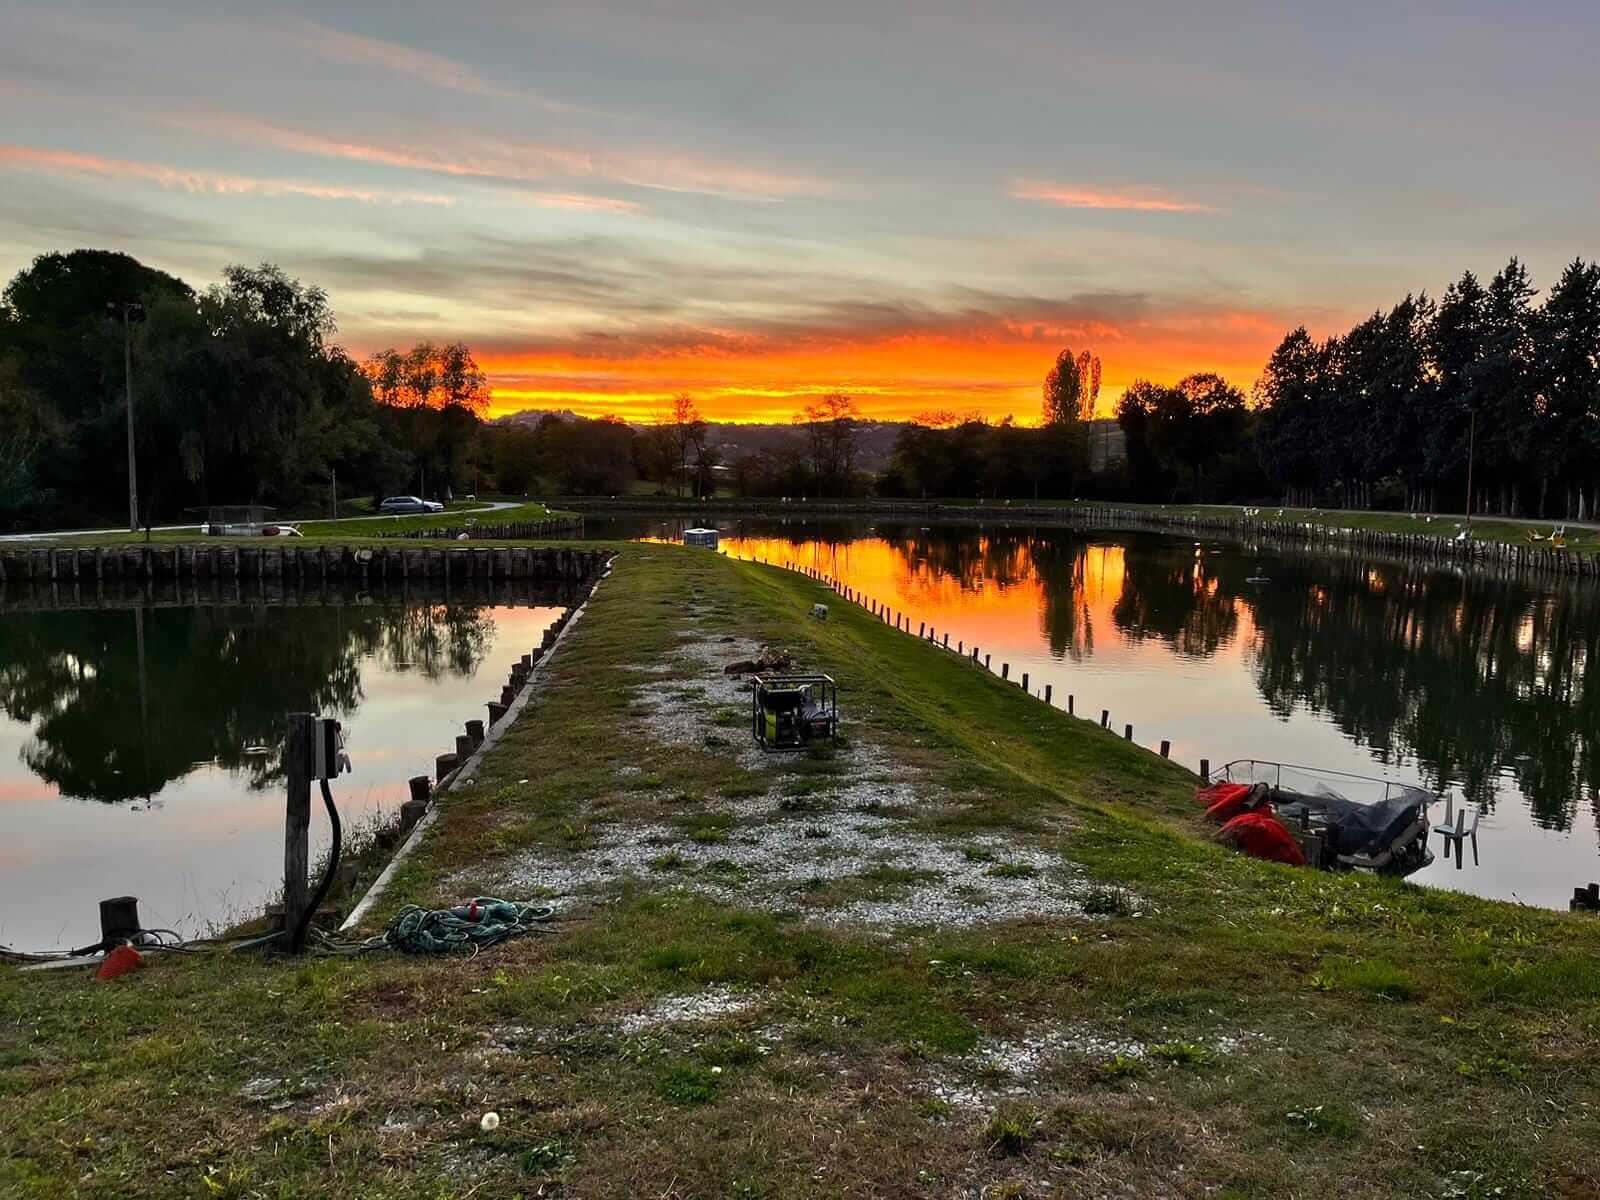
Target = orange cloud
(494,160)
(1130,199)
(65,162)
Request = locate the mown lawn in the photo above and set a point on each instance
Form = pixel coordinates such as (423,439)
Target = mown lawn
(1200,1025)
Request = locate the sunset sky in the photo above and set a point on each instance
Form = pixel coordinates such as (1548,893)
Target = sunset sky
(754,201)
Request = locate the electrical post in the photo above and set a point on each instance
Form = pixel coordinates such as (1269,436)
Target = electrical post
(297,753)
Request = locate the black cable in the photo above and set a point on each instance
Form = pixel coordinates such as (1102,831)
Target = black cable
(297,943)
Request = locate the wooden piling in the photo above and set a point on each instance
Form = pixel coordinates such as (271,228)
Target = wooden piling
(297,755)
(1127,733)
(1047,693)
(1105,718)
(1205,770)
(496,712)
(443,764)
(475,732)
(1166,749)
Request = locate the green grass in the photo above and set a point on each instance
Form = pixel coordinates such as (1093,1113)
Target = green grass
(1291,1020)
(322,530)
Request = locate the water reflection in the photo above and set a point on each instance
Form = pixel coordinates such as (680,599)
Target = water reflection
(1459,681)
(126,735)
(120,703)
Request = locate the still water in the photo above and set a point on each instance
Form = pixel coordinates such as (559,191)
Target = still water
(1464,683)
(139,745)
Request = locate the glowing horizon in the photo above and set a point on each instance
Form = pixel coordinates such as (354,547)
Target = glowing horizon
(612,204)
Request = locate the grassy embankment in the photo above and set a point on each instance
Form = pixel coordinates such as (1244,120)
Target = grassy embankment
(1484,529)
(1252,1031)
(1585,537)
(343,530)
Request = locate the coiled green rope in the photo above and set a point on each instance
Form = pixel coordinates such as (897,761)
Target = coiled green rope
(417,930)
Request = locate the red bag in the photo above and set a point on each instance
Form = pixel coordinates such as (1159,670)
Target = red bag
(1261,835)
(1208,797)
(1228,800)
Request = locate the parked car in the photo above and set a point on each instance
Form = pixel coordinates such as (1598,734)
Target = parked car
(409,504)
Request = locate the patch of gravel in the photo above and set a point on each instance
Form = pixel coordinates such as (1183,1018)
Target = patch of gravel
(834,841)
(1003,1068)
(776,862)
(694,1008)
(680,709)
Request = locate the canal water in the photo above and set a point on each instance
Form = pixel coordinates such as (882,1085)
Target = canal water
(139,744)
(1472,685)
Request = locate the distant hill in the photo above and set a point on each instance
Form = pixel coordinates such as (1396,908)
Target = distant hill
(736,440)
(875,449)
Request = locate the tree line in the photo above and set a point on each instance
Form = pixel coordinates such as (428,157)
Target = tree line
(241,395)
(1482,384)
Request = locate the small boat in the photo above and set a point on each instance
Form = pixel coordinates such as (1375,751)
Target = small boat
(1311,816)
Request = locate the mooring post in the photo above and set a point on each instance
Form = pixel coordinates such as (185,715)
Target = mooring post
(1005,670)
(986,662)
(1127,733)
(1024,681)
(1205,770)
(1105,718)
(1166,749)
(947,641)
(297,744)
(1071,704)
(1047,693)
(464,748)
(475,732)
(443,764)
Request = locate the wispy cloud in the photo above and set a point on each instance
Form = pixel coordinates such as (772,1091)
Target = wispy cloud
(500,160)
(42,160)
(581,202)
(1122,199)
(434,69)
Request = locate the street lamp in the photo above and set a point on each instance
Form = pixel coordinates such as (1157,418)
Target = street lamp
(129,309)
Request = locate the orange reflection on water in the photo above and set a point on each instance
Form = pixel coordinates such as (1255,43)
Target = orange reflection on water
(1009,592)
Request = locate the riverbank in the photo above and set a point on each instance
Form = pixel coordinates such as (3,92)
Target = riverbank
(979,950)
(463,515)
(1504,543)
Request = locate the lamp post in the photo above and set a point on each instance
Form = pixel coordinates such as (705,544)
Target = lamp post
(128,309)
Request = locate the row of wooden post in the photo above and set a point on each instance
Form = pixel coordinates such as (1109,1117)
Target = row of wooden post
(925,633)
(297,765)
